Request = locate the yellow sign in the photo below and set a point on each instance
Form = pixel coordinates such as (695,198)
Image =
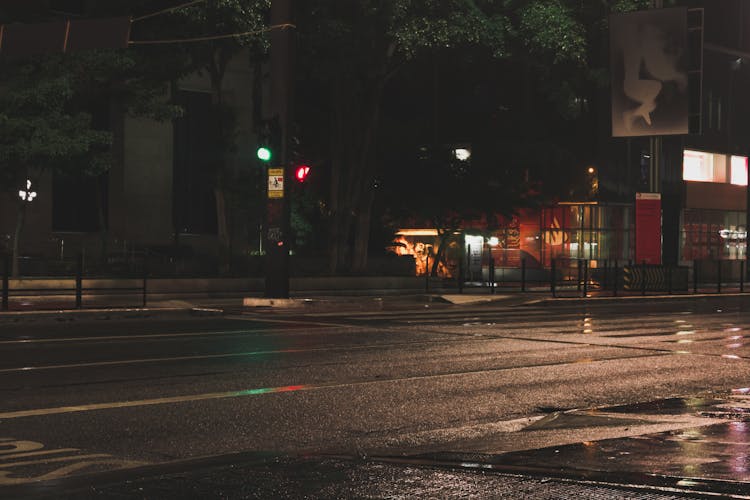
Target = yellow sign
(275,182)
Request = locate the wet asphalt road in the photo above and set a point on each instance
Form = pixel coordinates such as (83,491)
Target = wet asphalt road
(432,380)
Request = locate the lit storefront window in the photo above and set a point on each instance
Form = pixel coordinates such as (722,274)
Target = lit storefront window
(739,170)
(713,234)
(701,166)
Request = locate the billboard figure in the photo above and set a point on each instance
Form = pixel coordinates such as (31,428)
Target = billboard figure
(649,79)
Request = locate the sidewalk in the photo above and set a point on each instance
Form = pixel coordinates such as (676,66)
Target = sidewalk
(62,307)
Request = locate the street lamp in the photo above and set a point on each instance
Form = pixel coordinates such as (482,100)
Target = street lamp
(593,181)
(462,154)
(27,194)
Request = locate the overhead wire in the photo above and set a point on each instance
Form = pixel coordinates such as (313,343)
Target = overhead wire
(167,10)
(213,37)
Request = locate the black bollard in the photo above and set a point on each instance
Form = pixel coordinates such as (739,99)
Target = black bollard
(718,276)
(614,285)
(552,280)
(460,274)
(695,276)
(491,272)
(6,281)
(79,281)
(669,280)
(145,279)
(742,276)
(585,278)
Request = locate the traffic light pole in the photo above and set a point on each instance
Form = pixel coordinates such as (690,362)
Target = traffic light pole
(278,204)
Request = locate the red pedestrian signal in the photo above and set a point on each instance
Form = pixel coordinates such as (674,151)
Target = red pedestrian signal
(301,172)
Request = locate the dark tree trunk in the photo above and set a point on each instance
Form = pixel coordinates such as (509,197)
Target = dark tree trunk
(103,230)
(445,237)
(362,234)
(217,69)
(355,124)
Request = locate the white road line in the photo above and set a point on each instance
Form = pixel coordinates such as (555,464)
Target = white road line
(149,360)
(225,355)
(157,335)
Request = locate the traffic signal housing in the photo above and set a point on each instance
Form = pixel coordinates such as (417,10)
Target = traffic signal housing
(269,141)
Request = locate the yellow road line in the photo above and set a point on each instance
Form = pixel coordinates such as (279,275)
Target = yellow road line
(52,460)
(36,453)
(156,401)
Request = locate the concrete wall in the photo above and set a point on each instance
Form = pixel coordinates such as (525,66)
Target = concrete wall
(208,287)
(141,208)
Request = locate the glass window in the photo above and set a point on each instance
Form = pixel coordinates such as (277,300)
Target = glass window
(713,234)
(704,167)
(739,170)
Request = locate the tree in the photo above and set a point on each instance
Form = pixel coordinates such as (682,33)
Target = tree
(218,18)
(137,80)
(48,103)
(354,48)
(39,132)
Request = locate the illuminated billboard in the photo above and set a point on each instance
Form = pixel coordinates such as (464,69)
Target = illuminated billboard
(648,60)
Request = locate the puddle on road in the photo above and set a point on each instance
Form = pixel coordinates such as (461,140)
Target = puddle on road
(717,452)
(669,406)
(711,458)
(583,420)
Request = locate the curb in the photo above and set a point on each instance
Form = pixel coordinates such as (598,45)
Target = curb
(549,301)
(70,315)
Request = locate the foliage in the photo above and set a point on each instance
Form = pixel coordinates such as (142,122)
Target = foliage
(38,130)
(549,28)
(352,49)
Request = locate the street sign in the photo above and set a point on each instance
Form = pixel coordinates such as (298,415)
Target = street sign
(275,182)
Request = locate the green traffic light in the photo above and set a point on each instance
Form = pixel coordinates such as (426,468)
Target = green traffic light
(264,154)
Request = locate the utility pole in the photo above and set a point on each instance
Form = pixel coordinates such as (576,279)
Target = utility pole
(278,207)
(654,142)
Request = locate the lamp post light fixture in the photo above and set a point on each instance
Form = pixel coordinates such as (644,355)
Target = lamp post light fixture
(462,154)
(593,181)
(27,194)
